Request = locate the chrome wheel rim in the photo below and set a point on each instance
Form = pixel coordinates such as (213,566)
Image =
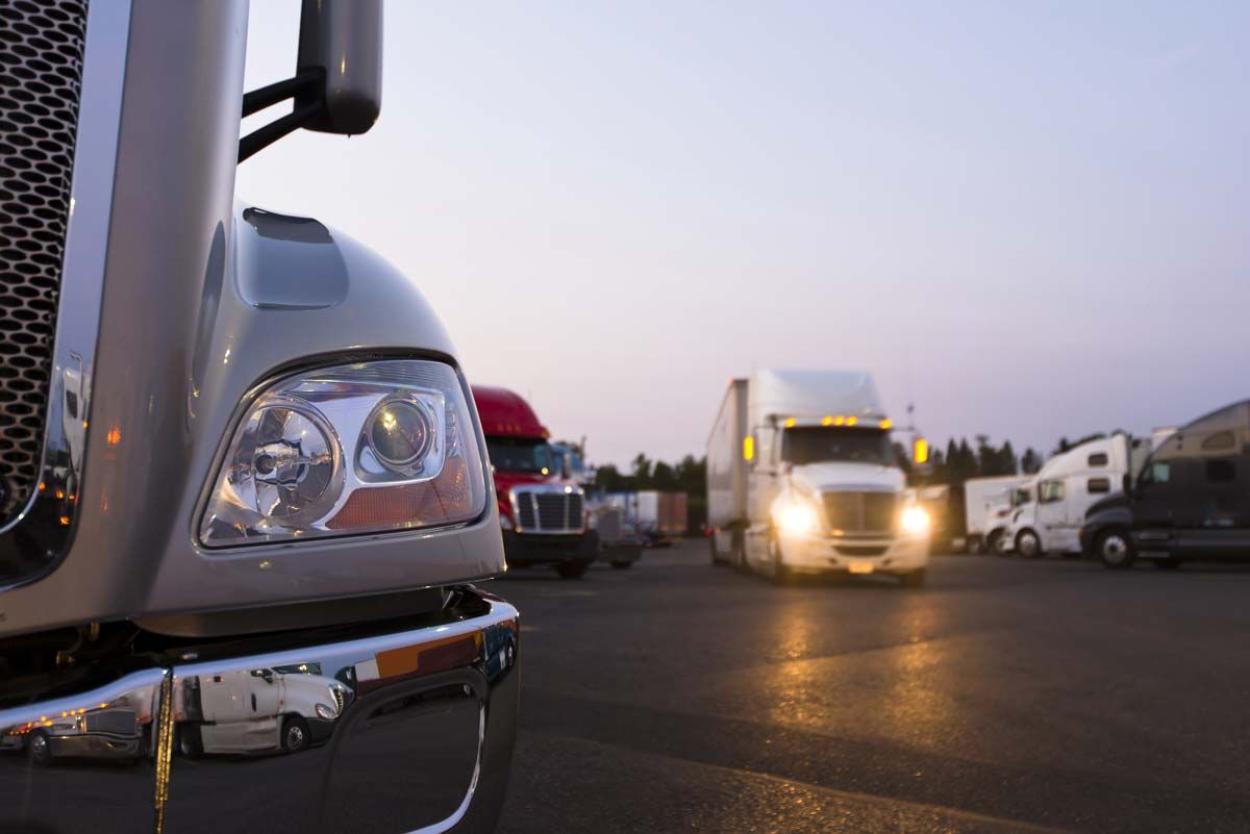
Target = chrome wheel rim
(294,736)
(1028,545)
(1114,549)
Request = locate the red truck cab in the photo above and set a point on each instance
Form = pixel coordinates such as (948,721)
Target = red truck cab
(542,513)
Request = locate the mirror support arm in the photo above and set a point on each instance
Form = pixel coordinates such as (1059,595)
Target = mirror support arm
(265,136)
(257,100)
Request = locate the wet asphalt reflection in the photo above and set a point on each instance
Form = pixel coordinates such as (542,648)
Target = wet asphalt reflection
(1006,696)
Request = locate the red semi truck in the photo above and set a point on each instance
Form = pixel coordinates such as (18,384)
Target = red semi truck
(542,511)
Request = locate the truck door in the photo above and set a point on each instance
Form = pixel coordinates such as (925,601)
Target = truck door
(761,490)
(1051,511)
(1155,498)
(1213,520)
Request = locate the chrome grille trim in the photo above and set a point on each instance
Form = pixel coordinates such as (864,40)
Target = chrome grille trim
(860,512)
(549,508)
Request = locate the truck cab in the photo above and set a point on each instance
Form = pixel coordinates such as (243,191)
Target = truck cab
(542,512)
(239,447)
(1190,500)
(824,491)
(1067,485)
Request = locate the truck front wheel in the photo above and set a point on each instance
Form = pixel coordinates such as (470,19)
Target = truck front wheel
(1028,544)
(716,559)
(39,748)
(295,735)
(1115,549)
(572,570)
(915,579)
(780,574)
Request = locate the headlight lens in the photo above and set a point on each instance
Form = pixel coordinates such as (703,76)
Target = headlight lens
(326,712)
(369,447)
(798,517)
(915,521)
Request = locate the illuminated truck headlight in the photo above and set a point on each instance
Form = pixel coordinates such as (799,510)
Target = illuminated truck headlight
(914,521)
(797,517)
(369,447)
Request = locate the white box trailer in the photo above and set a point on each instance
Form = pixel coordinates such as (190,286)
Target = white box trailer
(726,466)
(987,509)
(802,477)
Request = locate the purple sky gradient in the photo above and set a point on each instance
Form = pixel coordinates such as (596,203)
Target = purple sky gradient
(1031,220)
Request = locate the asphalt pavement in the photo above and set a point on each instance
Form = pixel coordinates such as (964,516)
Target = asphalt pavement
(1008,695)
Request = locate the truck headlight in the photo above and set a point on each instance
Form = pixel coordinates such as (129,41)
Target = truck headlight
(362,448)
(798,517)
(914,521)
(326,712)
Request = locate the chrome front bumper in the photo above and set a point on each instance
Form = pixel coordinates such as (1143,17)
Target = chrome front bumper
(420,739)
(899,554)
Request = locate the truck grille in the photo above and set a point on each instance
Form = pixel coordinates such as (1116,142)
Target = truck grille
(122,722)
(549,512)
(861,512)
(41,53)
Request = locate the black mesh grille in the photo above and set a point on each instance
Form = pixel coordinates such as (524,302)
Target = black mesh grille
(526,508)
(860,512)
(122,722)
(41,50)
(551,512)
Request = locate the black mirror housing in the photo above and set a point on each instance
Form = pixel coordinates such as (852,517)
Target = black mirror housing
(342,39)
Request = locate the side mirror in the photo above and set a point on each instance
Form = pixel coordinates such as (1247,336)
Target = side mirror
(343,40)
(337,87)
(1126,484)
(566,471)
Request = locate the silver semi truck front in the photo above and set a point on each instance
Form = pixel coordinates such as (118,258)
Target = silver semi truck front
(244,486)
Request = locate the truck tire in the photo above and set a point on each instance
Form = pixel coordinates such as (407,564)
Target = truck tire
(994,543)
(915,579)
(779,573)
(738,552)
(295,735)
(1028,544)
(187,741)
(717,561)
(572,570)
(1115,549)
(39,749)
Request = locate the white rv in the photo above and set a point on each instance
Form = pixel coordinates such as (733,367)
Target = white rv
(1050,508)
(802,478)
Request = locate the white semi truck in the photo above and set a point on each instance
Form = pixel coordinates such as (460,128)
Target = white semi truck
(803,478)
(1048,514)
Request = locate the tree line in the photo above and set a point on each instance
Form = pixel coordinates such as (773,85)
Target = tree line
(962,461)
(688,475)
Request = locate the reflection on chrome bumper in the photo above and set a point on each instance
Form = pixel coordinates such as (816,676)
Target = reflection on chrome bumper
(408,730)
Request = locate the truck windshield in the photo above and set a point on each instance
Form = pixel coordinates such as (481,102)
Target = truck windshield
(521,454)
(813,444)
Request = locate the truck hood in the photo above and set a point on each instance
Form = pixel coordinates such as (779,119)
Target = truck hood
(829,476)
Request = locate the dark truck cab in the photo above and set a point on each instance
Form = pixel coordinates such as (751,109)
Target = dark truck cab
(1190,500)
